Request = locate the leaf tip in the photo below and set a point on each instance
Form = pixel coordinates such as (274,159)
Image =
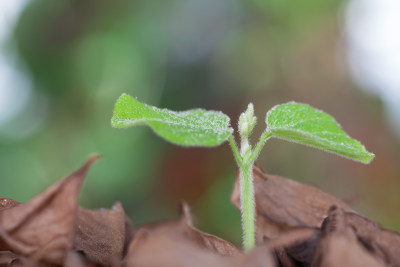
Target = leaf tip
(368,158)
(92,158)
(118,107)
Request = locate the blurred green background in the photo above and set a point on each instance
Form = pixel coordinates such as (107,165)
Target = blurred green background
(74,58)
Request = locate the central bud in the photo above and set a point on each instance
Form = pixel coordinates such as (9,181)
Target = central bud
(247,121)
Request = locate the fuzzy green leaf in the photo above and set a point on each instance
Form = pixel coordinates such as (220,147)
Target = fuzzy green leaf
(195,127)
(303,124)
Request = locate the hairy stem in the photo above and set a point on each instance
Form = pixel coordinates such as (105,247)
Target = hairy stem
(247,202)
(235,150)
(256,151)
(247,205)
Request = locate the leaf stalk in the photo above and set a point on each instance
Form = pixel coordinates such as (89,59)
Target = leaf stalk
(235,150)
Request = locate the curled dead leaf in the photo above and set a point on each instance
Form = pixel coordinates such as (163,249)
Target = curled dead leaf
(282,204)
(208,241)
(160,248)
(382,243)
(41,229)
(178,243)
(339,245)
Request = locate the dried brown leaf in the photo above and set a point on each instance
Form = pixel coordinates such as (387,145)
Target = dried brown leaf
(41,228)
(100,234)
(160,248)
(178,243)
(382,243)
(184,228)
(282,204)
(288,215)
(339,245)
(208,241)
(6,203)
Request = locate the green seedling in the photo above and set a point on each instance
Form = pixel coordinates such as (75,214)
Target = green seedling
(292,121)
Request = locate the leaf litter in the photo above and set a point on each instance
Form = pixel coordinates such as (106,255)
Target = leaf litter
(297,225)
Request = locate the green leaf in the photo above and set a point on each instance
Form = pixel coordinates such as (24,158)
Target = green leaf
(195,127)
(303,124)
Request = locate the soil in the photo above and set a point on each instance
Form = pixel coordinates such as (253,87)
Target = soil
(297,225)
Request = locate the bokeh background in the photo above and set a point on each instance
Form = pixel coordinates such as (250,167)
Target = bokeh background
(64,63)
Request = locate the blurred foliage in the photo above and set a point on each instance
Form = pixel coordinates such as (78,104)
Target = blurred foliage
(181,54)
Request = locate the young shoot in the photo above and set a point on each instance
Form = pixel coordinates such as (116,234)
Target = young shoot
(291,121)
